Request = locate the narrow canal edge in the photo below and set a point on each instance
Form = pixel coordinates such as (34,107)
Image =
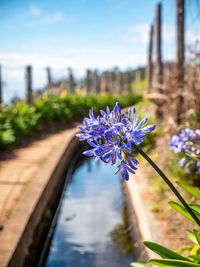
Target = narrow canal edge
(19,230)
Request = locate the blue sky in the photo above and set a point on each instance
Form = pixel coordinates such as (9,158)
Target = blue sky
(82,34)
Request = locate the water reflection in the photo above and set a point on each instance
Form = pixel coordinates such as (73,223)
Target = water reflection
(90,211)
(121,235)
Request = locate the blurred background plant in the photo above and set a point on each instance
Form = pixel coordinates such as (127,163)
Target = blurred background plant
(187,147)
(21,119)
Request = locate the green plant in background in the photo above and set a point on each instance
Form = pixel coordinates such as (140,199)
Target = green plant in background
(193,119)
(187,146)
(142,107)
(171,258)
(21,119)
(53,107)
(16,121)
(138,87)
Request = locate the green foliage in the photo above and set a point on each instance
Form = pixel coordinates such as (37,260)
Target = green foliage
(192,236)
(192,157)
(164,253)
(193,120)
(137,264)
(190,189)
(182,210)
(19,120)
(53,107)
(176,170)
(138,87)
(172,263)
(148,142)
(150,139)
(169,257)
(16,121)
(155,207)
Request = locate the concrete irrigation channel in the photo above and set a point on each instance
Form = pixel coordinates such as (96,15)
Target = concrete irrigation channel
(20,239)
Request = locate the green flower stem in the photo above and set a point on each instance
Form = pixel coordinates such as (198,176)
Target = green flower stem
(169,183)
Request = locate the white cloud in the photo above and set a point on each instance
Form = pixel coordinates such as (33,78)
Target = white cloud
(80,61)
(191,37)
(35,11)
(140,34)
(38,60)
(136,34)
(52,18)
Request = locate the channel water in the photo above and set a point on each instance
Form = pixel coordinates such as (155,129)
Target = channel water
(89,219)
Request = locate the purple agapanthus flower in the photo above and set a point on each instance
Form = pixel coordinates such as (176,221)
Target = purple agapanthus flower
(176,144)
(112,135)
(187,143)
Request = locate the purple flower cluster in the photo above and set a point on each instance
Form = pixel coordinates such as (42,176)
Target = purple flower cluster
(187,143)
(112,135)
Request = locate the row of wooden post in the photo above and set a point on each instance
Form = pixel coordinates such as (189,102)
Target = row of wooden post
(28,79)
(157,30)
(114,82)
(109,82)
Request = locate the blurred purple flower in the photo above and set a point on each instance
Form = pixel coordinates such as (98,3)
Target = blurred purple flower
(176,144)
(187,142)
(182,162)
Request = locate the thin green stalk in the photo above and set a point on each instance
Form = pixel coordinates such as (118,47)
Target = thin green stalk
(169,183)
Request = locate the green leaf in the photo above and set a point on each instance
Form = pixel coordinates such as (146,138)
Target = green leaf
(190,189)
(197,235)
(192,157)
(173,263)
(195,250)
(183,211)
(137,264)
(165,253)
(191,235)
(195,257)
(195,207)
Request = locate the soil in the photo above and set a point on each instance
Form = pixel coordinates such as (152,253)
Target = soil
(173,224)
(48,129)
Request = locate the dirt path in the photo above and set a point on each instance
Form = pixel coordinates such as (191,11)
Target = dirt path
(18,171)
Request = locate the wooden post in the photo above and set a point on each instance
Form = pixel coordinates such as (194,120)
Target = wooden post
(29,84)
(180,36)
(96,82)
(109,82)
(138,80)
(150,64)
(88,81)
(129,83)
(105,74)
(108,78)
(71,81)
(112,81)
(49,80)
(1,100)
(126,82)
(120,82)
(180,57)
(159,65)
